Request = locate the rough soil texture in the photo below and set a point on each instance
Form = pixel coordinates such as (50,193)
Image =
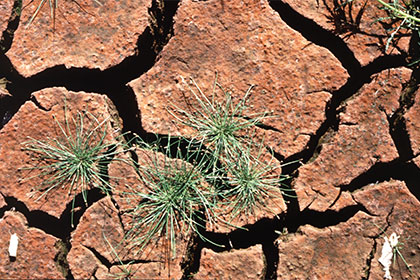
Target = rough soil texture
(245,264)
(5,10)
(344,118)
(37,250)
(112,28)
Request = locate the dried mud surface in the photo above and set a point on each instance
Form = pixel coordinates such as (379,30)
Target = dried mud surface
(347,124)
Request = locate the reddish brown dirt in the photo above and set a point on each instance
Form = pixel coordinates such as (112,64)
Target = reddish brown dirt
(112,29)
(344,118)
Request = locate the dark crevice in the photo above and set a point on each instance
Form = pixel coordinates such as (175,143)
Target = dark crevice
(6,39)
(4,208)
(261,125)
(397,123)
(336,199)
(317,35)
(10,104)
(60,259)
(39,105)
(130,262)
(369,260)
(400,137)
(267,127)
(103,260)
(191,260)
(327,218)
(371,256)
(397,169)
(263,231)
(114,202)
(7,71)
(111,82)
(271,259)
(57,227)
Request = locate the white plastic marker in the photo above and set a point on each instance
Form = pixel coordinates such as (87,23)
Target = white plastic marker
(13,245)
(387,253)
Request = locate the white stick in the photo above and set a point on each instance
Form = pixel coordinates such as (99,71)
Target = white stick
(13,245)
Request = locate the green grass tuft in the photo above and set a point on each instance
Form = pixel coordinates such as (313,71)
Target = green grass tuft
(76,159)
(187,183)
(252,182)
(220,125)
(175,197)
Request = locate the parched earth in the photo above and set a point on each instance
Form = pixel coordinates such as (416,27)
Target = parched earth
(346,127)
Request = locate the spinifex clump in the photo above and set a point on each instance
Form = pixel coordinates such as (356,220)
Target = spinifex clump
(76,159)
(185,183)
(174,198)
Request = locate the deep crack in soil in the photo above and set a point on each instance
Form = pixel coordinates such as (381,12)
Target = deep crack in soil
(406,171)
(60,228)
(111,82)
(317,35)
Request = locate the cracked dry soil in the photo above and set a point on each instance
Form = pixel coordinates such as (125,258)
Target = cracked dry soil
(347,110)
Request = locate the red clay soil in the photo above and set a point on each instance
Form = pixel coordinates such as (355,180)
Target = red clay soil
(344,119)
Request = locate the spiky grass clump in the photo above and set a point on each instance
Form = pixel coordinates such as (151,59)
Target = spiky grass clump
(220,125)
(185,183)
(76,159)
(223,128)
(173,197)
(252,182)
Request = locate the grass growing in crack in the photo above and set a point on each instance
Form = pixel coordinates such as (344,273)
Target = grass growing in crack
(174,199)
(223,128)
(125,268)
(185,183)
(76,159)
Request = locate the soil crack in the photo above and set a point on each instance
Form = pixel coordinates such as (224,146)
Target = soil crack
(12,25)
(408,172)
(317,35)
(111,82)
